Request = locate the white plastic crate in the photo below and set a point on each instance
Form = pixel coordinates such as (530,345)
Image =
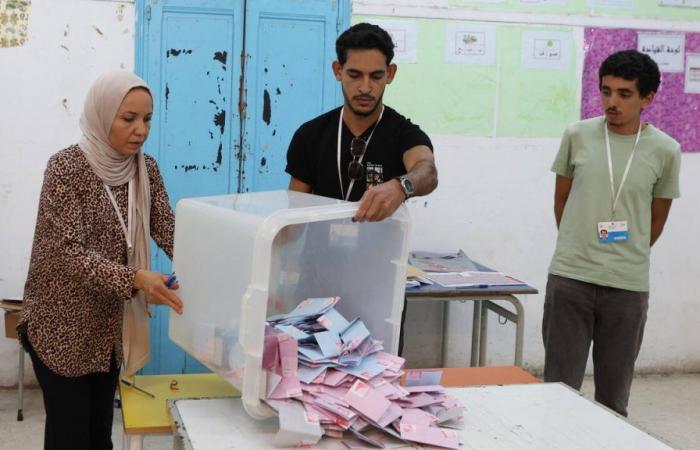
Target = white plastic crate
(241,258)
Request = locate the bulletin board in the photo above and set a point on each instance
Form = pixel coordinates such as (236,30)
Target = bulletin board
(498,98)
(673,110)
(503,95)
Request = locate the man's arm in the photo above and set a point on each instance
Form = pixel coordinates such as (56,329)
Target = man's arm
(562,189)
(299,186)
(379,202)
(659,213)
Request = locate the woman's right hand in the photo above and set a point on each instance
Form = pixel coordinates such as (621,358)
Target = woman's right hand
(153,285)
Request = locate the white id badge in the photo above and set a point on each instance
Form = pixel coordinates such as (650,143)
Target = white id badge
(609,232)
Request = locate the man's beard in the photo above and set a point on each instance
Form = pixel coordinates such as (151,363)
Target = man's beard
(363,113)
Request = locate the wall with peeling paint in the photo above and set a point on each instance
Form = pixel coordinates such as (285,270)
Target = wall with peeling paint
(69,44)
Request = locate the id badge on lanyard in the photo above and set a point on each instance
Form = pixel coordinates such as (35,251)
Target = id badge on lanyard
(615,231)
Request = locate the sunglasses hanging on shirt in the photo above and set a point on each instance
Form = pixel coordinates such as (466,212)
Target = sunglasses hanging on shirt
(358,147)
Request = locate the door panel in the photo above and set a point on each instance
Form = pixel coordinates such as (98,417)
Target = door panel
(190,56)
(290,46)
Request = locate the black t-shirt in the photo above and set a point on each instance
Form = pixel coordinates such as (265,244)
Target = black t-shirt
(312,154)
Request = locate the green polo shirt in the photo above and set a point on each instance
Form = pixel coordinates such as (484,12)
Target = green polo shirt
(653,174)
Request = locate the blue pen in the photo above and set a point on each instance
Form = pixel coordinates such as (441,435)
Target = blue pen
(171,280)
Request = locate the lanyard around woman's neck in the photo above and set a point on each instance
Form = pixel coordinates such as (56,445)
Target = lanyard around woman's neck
(125,229)
(343,195)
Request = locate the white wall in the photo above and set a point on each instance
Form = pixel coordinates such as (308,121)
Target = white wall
(42,88)
(494,199)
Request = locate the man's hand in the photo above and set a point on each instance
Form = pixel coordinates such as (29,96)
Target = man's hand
(153,285)
(379,202)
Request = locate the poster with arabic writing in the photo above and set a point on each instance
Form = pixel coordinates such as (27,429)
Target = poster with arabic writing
(14,20)
(674,110)
(667,49)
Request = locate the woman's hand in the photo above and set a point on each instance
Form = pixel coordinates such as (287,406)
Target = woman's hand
(153,285)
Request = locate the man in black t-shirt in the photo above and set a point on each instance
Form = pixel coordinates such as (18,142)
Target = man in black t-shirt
(363,150)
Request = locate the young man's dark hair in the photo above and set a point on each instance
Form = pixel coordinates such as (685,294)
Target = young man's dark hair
(632,65)
(364,36)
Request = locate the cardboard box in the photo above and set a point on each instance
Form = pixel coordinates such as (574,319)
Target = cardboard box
(11,321)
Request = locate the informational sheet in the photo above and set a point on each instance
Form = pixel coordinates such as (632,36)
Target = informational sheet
(467,43)
(546,50)
(667,49)
(405,36)
(440,262)
(14,22)
(474,279)
(692,73)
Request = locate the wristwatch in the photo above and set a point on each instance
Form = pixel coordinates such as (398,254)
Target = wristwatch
(406,185)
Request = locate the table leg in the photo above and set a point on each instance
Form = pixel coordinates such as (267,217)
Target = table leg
(476,328)
(517,317)
(20,385)
(519,332)
(445,331)
(132,442)
(484,322)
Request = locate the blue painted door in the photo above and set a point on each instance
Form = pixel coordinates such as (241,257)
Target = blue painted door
(288,77)
(187,52)
(231,80)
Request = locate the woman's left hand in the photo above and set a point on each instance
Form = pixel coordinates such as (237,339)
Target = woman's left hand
(153,285)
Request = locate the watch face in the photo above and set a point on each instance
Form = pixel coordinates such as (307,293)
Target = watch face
(407,185)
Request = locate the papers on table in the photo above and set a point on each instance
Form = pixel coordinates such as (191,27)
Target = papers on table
(441,262)
(326,376)
(473,279)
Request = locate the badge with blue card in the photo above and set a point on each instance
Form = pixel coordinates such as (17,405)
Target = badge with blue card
(609,232)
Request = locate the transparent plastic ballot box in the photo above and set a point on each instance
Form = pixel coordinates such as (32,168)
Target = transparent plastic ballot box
(241,258)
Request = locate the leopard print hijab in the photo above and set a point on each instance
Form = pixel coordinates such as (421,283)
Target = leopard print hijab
(114,169)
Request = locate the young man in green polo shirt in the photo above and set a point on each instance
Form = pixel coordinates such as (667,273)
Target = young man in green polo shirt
(615,179)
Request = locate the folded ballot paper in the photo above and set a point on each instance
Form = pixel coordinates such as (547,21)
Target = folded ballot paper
(326,376)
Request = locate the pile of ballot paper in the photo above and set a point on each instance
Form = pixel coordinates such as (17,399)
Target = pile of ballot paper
(327,376)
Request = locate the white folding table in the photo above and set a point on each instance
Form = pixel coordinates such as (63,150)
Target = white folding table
(528,416)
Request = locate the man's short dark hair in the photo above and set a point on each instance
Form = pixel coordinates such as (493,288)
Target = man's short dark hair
(367,37)
(632,66)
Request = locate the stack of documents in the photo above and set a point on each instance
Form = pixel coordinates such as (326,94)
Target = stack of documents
(441,262)
(479,279)
(327,376)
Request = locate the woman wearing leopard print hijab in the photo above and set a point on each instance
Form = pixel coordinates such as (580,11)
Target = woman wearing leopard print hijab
(89,280)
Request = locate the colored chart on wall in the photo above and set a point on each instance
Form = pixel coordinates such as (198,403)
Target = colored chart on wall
(676,108)
(499,80)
